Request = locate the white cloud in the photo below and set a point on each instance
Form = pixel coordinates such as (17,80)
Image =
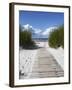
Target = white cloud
(27,26)
(39,32)
(48,30)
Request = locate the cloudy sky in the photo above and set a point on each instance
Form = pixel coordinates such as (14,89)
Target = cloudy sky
(41,20)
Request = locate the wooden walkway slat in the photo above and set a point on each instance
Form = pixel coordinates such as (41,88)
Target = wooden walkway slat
(46,66)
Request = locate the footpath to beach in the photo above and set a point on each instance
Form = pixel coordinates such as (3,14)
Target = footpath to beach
(44,65)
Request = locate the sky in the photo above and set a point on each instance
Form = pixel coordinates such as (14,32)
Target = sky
(41,20)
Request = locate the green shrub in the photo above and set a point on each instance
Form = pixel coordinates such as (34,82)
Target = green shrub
(56,37)
(26,39)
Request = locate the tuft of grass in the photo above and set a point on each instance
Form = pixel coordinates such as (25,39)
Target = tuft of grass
(56,37)
(26,39)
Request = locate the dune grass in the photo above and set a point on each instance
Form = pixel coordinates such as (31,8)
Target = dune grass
(26,39)
(56,37)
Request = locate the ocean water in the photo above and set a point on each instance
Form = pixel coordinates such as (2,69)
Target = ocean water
(40,39)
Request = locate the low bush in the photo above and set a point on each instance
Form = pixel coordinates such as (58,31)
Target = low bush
(26,39)
(56,37)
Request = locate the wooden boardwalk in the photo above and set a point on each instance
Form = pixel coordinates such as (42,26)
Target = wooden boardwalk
(45,66)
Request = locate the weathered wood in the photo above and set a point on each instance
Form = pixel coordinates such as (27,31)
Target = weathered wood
(46,66)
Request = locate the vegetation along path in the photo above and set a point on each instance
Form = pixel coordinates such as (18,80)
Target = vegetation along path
(45,66)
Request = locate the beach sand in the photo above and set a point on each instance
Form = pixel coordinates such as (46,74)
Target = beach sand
(42,62)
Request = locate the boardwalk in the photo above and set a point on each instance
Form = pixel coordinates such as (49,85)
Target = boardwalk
(44,66)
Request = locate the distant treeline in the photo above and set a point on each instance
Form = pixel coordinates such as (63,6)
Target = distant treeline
(56,37)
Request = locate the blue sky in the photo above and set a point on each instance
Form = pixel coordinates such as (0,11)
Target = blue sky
(41,20)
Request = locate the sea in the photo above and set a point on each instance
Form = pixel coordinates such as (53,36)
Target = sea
(40,39)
